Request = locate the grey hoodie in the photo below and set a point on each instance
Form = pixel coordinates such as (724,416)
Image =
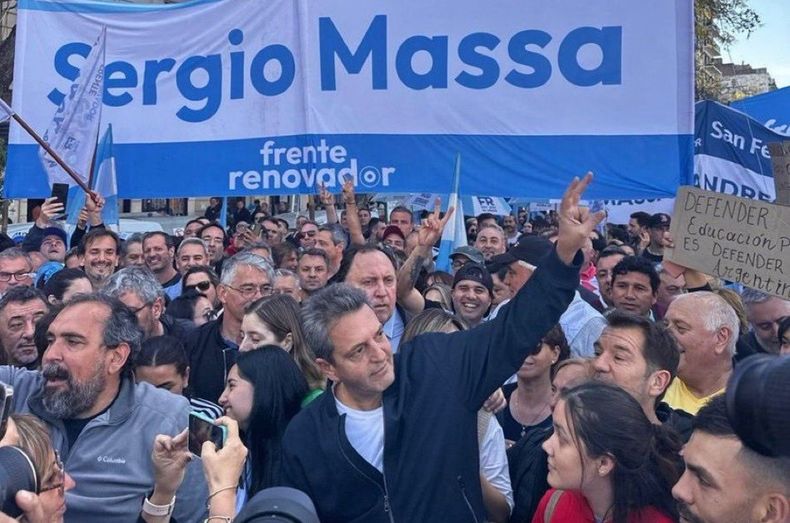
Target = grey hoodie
(111,459)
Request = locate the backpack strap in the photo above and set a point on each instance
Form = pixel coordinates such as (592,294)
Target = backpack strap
(553,500)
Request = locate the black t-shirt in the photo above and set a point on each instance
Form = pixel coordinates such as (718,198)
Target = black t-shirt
(512,429)
(75,426)
(655,258)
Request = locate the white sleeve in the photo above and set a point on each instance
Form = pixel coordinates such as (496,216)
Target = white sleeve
(493,460)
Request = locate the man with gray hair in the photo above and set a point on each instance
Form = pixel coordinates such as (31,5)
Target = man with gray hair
(212,347)
(764,313)
(425,398)
(138,289)
(706,328)
(192,252)
(103,424)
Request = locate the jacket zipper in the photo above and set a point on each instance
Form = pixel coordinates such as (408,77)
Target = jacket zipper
(384,491)
(466,499)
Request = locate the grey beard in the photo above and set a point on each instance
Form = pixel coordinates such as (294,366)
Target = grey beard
(78,398)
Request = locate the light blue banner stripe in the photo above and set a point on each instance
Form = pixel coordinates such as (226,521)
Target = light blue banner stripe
(103,7)
(626,167)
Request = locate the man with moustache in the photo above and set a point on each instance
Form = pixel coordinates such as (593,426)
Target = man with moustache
(102,423)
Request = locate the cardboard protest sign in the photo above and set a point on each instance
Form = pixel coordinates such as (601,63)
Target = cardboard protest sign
(736,239)
(780,161)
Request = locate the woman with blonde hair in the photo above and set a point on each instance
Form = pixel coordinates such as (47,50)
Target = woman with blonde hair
(274,320)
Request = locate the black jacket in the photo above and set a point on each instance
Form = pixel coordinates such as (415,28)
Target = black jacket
(210,359)
(430,417)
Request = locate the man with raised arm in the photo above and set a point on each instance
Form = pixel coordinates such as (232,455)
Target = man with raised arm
(396,437)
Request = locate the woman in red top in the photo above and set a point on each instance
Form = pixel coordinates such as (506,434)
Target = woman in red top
(607,462)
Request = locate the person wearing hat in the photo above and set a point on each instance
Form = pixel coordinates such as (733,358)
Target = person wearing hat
(393,238)
(473,291)
(45,237)
(657,228)
(463,255)
(581,323)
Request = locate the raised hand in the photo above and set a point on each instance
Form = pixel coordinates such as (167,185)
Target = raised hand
(49,209)
(324,196)
(170,457)
(348,192)
(431,229)
(576,222)
(223,467)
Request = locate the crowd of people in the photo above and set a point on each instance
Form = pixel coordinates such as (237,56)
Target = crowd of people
(558,370)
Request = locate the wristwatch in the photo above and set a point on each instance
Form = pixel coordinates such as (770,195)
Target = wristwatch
(158,510)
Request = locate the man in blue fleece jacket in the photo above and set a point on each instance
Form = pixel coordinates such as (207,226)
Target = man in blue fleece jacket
(396,437)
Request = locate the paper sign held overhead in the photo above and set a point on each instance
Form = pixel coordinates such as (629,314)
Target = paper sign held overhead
(780,162)
(733,238)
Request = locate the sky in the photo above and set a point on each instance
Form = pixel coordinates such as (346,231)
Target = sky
(769,45)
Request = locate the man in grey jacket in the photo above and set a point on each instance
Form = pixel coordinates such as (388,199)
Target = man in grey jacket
(102,423)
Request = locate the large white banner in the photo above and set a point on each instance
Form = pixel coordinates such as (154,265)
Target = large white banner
(248,97)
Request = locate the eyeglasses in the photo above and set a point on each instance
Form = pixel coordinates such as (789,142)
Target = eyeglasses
(141,307)
(202,286)
(18,276)
(250,290)
(60,477)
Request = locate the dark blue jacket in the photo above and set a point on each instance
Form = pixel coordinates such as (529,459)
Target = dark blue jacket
(430,417)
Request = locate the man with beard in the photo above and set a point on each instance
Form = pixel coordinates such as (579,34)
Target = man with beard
(98,254)
(101,422)
(764,313)
(159,251)
(727,482)
(138,289)
(20,310)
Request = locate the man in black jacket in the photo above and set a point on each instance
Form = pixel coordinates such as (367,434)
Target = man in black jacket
(395,439)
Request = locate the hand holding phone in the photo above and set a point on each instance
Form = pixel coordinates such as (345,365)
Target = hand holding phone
(224,466)
(203,429)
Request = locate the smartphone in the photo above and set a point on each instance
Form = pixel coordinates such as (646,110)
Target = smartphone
(61,192)
(6,399)
(201,430)
(256,230)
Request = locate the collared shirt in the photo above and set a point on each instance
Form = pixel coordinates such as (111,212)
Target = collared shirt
(393,330)
(679,397)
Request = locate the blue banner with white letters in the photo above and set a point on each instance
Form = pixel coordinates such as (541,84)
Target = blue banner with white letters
(772,109)
(276,97)
(731,153)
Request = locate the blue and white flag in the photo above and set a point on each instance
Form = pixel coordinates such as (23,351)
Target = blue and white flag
(731,153)
(104,182)
(5,111)
(772,109)
(223,213)
(454,234)
(531,93)
(75,126)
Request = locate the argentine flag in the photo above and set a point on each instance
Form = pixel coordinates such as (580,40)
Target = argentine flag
(454,234)
(103,182)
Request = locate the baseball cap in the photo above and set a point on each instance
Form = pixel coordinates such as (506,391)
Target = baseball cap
(471,253)
(393,229)
(474,272)
(55,231)
(529,249)
(278,504)
(659,220)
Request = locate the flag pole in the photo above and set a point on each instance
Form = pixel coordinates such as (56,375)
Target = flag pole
(76,177)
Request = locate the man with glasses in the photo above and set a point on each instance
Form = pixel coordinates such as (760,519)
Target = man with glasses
(204,280)
(212,347)
(138,289)
(308,234)
(16,268)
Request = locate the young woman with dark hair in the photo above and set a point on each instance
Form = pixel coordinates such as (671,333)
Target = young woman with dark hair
(607,461)
(66,283)
(274,320)
(193,306)
(263,392)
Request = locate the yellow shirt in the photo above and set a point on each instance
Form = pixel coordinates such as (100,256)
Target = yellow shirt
(678,396)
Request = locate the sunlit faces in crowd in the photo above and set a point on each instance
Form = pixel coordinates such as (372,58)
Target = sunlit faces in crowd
(53,246)
(491,241)
(472,293)
(402,218)
(308,234)
(634,285)
(214,237)
(131,254)
(202,280)
(100,257)
(15,269)
(191,253)
(373,272)
(18,320)
(287,282)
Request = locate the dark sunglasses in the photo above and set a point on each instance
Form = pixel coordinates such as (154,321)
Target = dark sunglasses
(202,286)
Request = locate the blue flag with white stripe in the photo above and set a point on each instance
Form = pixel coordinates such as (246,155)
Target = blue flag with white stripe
(104,182)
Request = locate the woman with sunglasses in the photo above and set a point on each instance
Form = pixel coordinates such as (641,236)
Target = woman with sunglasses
(203,280)
(33,438)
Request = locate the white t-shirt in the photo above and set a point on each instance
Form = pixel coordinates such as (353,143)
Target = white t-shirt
(493,460)
(365,432)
